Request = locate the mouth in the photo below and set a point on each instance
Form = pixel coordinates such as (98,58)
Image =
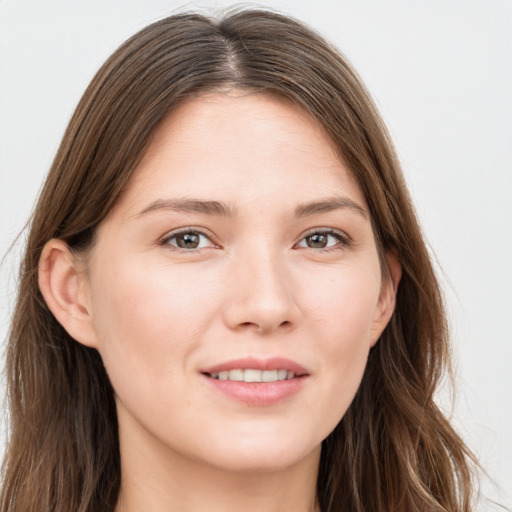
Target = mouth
(257,382)
(254,375)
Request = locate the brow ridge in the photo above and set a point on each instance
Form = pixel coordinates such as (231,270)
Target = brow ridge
(220,208)
(189,205)
(328,205)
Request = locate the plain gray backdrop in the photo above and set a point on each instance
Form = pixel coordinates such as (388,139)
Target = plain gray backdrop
(441,74)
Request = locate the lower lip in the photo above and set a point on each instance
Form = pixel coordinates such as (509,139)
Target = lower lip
(259,393)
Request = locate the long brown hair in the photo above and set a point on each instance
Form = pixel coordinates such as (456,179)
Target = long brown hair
(393,450)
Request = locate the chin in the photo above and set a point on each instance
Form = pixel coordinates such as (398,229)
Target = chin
(259,454)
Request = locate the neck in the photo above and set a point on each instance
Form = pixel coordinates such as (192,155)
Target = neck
(161,480)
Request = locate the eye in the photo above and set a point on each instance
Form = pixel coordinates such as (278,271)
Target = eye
(188,240)
(324,240)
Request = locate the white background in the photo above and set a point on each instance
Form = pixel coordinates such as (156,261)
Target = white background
(441,73)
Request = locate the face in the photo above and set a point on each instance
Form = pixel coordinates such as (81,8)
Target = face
(235,289)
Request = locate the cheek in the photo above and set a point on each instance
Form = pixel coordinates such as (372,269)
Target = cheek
(342,313)
(148,320)
(343,301)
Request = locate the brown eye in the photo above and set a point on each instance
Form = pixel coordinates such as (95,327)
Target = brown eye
(317,241)
(188,240)
(324,240)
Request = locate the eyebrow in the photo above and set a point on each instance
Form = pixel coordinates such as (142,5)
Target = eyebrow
(192,206)
(220,208)
(329,205)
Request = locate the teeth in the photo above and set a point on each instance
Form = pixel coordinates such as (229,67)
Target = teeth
(251,375)
(236,375)
(269,375)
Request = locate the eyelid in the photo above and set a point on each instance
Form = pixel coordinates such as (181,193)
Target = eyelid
(344,239)
(188,229)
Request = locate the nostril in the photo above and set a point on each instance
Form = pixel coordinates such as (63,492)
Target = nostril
(264,326)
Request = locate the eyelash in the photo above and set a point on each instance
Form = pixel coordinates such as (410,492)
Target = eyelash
(185,231)
(343,241)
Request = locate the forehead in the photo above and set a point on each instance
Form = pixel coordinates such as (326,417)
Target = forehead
(238,146)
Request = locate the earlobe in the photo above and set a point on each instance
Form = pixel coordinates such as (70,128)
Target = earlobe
(63,286)
(387,298)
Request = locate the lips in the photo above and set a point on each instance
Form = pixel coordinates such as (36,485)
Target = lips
(250,363)
(253,375)
(257,382)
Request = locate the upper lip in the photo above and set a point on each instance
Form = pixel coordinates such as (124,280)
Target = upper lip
(273,363)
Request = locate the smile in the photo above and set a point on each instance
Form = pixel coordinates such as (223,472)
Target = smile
(257,382)
(253,375)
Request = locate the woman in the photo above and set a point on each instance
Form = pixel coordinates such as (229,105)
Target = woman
(226,300)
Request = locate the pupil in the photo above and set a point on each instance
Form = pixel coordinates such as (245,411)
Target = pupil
(317,241)
(188,241)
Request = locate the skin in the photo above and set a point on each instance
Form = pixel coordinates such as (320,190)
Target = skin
(159,314)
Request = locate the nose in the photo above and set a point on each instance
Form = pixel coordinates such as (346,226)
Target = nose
(261,295)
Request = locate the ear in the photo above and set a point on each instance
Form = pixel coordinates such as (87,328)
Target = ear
(387,297)
(63,283)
